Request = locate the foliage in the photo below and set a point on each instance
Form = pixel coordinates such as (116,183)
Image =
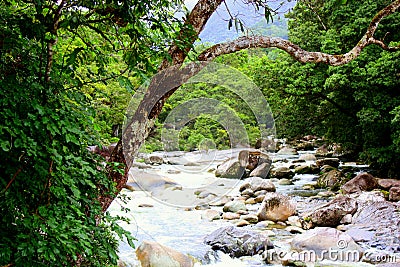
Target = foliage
(57,58)
(356,103)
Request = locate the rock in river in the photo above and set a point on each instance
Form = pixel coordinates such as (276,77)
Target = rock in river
(333,179)
(257,184)
(362,182)
(331,214)
(394,194)
(234,206)
(261,170)
(153,254)
(287,151)
(281,172)
(334,162)
(231,168)
(276,207)
(238,242)
(319,242)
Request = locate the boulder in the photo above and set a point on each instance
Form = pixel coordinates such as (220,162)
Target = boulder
(251,218)
(323,151)
(220,201)
(307,169)
(230,168)
(308,157)
(285,181)
(250,159)
(153,159)
(332,213)
(276,207)
(305,145)
(153,254)
(394,194)
(334,162)
(242,223)
(382,219)
(259,199)
(230,216)
(238,242)
(256,184)
(287,151)
(141,180)
(388,183)
(205,193)
(372,196)
(250,201)
(327,168)
(243,158)
(264,158)
(333,179)
(282,172)
(211,215)
(318,242)
(261,170)
(234,206)
(362,182)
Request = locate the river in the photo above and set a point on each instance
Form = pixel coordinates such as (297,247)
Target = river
(169,216)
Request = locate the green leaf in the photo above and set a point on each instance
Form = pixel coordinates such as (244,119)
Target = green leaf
(5,145)
(72,57)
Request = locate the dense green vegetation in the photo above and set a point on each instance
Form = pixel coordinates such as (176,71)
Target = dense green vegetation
(63,64)
(69,68)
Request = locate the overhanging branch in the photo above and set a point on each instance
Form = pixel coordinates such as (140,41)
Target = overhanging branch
(300,54)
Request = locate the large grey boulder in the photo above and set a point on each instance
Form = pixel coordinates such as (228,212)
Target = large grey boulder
(316,244)
(142,180)
(238,242)
(308,157)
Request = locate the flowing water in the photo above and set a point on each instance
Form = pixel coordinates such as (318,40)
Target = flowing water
(167,216)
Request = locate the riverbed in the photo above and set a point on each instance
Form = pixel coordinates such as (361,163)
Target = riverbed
(172,216)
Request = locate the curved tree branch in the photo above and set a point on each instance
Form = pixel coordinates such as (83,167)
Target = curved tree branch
(300,54)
